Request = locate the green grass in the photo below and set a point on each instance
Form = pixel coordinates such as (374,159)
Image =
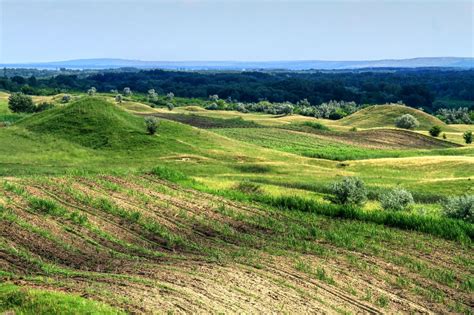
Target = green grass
(311,146)
(37,301)
(385,115)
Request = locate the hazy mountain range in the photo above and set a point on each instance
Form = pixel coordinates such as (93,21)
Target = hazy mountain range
(106,63)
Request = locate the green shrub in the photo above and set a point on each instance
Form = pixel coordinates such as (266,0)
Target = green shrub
(397,199)
(43,106)
(21,103)
(407,121)
(467,137)
(349,190)
(151,124)
(315,125)
(435,131)
(248,187)
(461,207)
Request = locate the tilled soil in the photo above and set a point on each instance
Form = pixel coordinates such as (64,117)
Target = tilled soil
(206,254)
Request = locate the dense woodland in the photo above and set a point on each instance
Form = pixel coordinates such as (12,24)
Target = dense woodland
(427,88)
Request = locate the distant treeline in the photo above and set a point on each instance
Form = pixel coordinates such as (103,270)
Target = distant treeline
(416,88)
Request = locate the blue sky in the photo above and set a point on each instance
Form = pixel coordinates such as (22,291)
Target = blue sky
(50,30)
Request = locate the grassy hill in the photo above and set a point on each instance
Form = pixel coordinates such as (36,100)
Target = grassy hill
(385,116)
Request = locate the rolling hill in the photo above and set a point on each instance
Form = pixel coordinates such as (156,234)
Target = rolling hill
(378,116)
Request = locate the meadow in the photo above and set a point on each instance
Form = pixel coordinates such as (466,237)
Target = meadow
(227,211)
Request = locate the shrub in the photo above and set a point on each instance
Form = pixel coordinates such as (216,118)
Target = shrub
(151,124)
(118,98)
(444,136)
(66,98)
(397,199)
(435,131)
(467,137)
(315,125)
(349,190)
(248,187)
(91,91)
(43,106)
(461,207)
(170,106)
(21,103)
(407,121)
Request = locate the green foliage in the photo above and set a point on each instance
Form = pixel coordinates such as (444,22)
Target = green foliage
(247,187)
(315,125)
(21,103)
(46,206)
(43,106)
(396,199)
(16,300)
(168,174)
(407,121)
(460,207)
(349,191)
(435,131)
(467,136)
(151,124)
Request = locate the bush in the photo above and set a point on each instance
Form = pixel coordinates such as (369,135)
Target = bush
(170,106)
(43,106)
(461,207)
(248,187)
(151,124)
(407,121)
(21,103)
(349,190)
(435,131)
(397,199)
(66,98)
(467,137)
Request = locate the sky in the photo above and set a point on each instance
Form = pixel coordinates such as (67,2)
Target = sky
(160,30)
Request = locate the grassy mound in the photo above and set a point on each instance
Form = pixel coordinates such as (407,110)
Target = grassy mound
(91,122)
(385,115)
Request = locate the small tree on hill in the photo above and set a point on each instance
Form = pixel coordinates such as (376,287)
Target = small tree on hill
(21,103)
(460,207)
(407,121)
(118,98)
(170,96)
(170,106)
(349,191)
(151,124)
(66,98)
(435,131)
(127,91)
(467,137)
(91,91)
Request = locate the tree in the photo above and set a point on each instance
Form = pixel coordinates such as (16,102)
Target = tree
(214,97)
(151,124)
(66,98)
(467,137)
(127,91)
(407,121)
(170,106)
(118,98)
(435,131)
(152,95)
(91,91)
(21,103)
(170,96)
(349,190)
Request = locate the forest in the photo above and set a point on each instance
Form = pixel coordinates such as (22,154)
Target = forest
(427,88)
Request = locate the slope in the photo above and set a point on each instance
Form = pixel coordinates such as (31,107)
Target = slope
(385,116)
(144,245)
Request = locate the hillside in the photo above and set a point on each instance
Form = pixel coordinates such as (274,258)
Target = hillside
(384,116)
(141,244)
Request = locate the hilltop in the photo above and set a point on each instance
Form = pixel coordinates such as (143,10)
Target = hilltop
(385,115)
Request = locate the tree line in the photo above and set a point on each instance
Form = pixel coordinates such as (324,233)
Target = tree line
(416,88)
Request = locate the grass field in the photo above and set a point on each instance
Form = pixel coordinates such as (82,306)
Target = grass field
(90,204)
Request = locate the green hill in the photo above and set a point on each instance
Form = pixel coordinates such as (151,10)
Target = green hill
(91,122)
(385,116)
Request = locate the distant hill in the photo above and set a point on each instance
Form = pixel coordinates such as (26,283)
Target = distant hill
(385,115)
(105,63)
